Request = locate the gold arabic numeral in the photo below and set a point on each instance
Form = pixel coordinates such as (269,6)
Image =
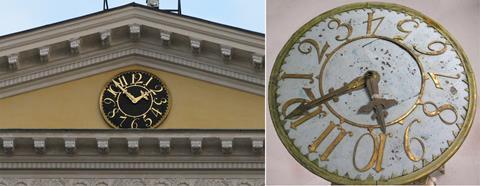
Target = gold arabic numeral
(123,120)
(436,81)
(137,78)
(377,155)
(316,45)
(432,51)
(109,101)
(158,90)
(439,110)
(338,25)
(134,124)
(156,112)
(407,140)
(298,76)
(148,81)
(112,113)
(113,92)
(121,81)
(324,156)
(403,30)
(162,101)
(370,21)
(147,120)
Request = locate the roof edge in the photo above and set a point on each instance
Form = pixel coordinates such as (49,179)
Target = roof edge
(133,4)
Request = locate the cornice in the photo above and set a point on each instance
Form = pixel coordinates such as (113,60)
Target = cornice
(140,149)
(252,82)
(131,15)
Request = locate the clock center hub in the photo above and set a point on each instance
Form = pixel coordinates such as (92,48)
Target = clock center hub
(138,108)
(400,78)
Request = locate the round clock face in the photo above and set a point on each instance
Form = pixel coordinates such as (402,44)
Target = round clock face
(372,93)
(135,99)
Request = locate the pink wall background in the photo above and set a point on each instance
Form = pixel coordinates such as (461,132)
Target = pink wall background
(460,18)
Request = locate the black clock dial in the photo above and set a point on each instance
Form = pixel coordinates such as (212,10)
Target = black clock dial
(134,99)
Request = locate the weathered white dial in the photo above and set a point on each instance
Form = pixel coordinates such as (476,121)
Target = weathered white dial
(372,93)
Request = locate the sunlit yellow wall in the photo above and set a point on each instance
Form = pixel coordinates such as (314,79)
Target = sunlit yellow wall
(195,104)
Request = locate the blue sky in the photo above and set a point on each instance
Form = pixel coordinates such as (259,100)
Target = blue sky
(22,15)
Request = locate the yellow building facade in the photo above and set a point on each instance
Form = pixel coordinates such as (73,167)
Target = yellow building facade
(53,131)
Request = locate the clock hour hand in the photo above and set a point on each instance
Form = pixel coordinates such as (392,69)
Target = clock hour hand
(377,104)
(356,84)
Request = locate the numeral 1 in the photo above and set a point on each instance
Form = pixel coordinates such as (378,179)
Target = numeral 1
(377,155)
(146,84)
(370,23)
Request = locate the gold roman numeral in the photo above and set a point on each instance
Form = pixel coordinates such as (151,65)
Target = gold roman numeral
(121,81)
(297,76)
(313,147)
(113,92)
(306,117)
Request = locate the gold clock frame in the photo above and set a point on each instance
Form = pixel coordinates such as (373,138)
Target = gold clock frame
(335,178)
(169,106)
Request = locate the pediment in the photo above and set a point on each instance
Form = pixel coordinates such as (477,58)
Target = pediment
(126,36)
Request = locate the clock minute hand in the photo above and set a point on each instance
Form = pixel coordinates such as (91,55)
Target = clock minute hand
(356,84)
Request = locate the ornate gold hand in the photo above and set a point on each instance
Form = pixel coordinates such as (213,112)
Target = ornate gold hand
(377,104)
(130,96)
(142,95)
(356,84)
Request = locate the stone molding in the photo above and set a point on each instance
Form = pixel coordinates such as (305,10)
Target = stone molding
(168,181)
(174,165)
(60,68)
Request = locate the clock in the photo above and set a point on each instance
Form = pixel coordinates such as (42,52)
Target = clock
(135,99)
(372,93)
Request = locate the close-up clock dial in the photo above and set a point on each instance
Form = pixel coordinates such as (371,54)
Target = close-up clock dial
(372,93)
(135,99)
